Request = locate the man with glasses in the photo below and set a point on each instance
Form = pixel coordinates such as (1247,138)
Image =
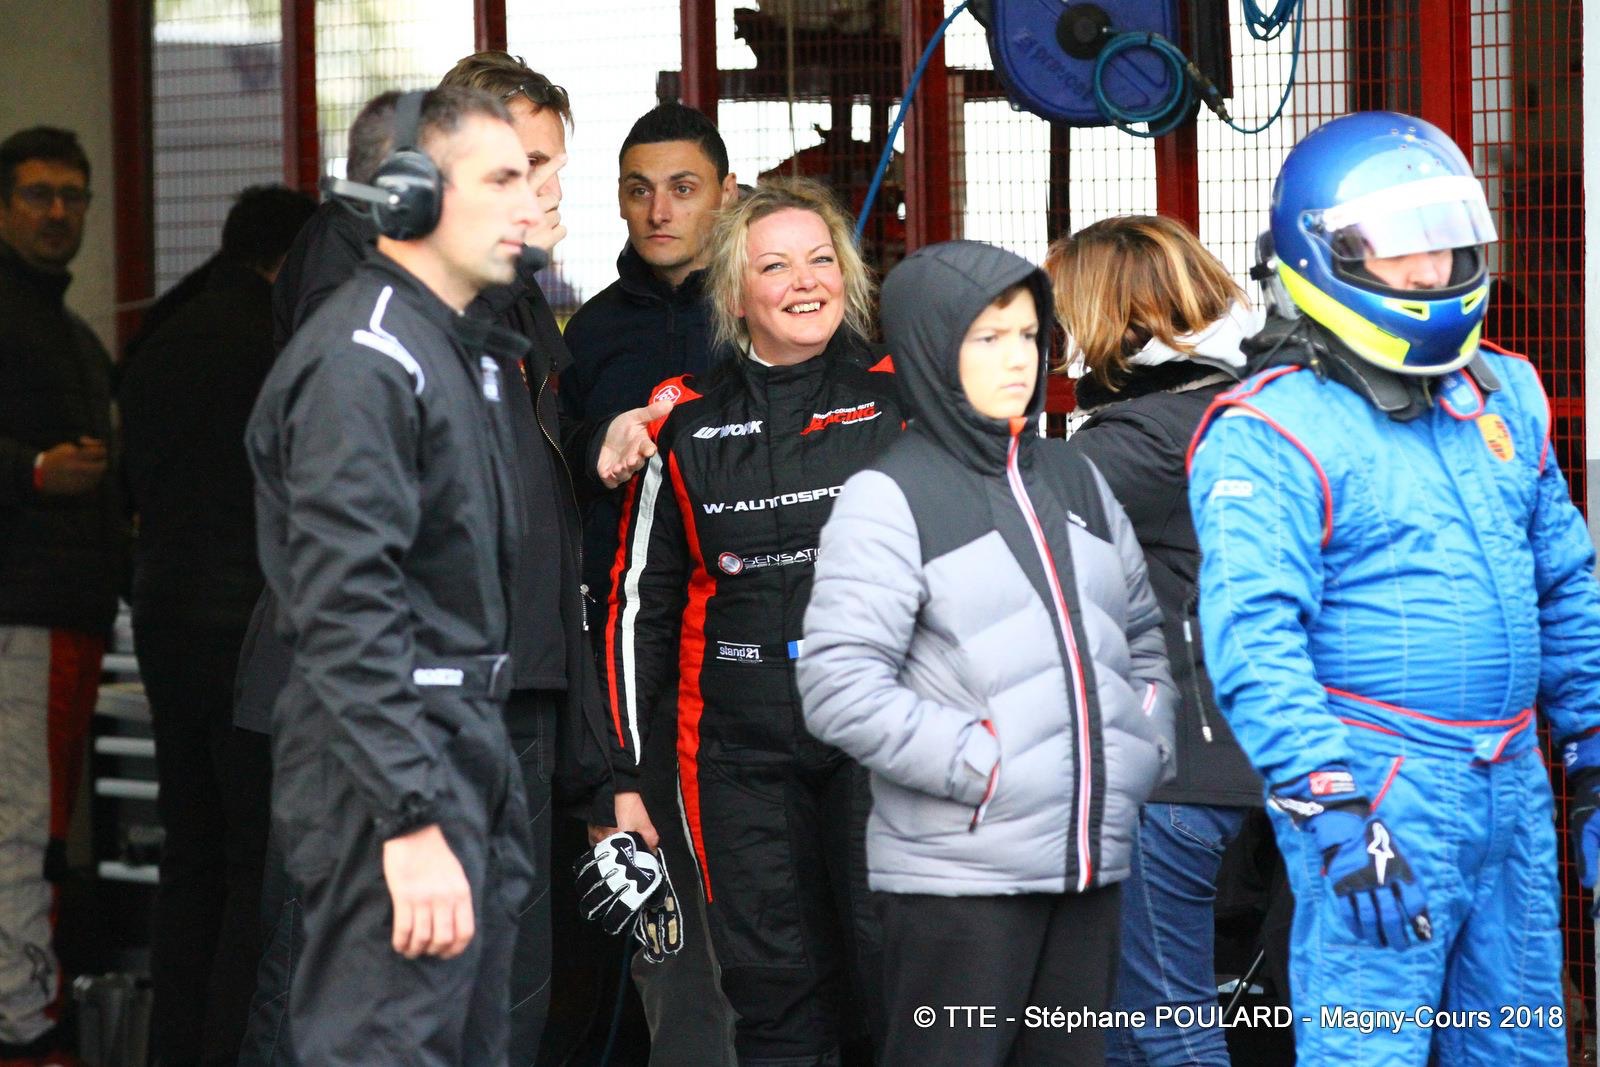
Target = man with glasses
(60,562)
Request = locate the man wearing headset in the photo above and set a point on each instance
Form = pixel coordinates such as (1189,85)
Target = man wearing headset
(381,445)
(1394,576)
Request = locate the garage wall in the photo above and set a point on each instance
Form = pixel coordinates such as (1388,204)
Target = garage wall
(56,59)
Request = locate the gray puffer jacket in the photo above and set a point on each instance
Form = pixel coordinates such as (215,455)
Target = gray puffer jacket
(981,634)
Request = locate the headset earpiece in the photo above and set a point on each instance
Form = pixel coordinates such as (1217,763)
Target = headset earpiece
(411,178)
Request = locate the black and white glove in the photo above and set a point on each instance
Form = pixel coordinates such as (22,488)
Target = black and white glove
(659,928)
(1380,896)
(617,878)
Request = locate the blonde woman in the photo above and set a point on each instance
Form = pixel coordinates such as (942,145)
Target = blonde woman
(718,541)
(1156,323)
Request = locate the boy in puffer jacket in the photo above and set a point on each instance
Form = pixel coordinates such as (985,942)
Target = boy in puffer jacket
(982,636)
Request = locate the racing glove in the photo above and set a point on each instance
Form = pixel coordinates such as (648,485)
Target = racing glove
(617,878)
(1380,897)
(659,928)
(1581,758)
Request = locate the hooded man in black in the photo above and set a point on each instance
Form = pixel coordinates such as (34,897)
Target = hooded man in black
(185,394)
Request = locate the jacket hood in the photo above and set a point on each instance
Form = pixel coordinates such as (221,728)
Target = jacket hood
(929,302)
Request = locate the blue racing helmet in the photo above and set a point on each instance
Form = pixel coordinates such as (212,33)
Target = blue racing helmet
(1379,184)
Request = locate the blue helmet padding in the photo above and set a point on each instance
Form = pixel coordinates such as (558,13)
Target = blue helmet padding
(1385,171)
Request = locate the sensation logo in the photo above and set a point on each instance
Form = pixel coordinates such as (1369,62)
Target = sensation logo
(730,563)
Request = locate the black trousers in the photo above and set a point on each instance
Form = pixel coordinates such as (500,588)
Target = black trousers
(691,1024)
(213,806)
(794,928)
(1040,950)
(356,1001)
(531,718)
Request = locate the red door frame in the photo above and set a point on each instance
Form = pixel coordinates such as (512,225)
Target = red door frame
(133,206)
(697,85)
(489,25)
(927,128)
(302,148)
(1446,62)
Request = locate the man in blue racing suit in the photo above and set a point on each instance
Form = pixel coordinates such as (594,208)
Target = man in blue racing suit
(1393,577)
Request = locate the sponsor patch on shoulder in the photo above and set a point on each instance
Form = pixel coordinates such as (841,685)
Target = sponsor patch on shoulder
(1497,436)
(734,652)
(1241,488)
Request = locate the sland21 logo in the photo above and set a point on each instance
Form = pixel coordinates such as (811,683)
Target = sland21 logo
(839,416)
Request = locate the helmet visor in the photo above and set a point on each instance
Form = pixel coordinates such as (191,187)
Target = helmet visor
(1422,216)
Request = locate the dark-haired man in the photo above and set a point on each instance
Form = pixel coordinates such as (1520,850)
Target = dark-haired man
(381,445)
(185,397)
(650,324)
(61,542)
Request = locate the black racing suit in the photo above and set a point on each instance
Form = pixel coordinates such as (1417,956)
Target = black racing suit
(381,445)
(718,540)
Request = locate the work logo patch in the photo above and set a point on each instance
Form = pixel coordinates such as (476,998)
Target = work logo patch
(1497,436)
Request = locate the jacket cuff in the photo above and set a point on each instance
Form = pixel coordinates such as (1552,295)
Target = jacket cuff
(415,812)
(974,764)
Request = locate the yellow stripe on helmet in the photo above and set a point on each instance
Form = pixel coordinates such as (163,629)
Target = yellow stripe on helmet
(1360,334)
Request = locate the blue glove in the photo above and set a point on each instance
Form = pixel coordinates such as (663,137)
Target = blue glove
(1382,900)
(1581,758)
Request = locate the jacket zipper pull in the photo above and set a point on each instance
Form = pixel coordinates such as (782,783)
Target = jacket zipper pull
(583,605)
(1194,678)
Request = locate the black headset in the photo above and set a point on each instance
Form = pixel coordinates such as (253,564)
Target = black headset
(407,192)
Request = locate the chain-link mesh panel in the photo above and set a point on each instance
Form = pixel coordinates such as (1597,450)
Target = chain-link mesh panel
(608,54)
(365,47)
(218,121)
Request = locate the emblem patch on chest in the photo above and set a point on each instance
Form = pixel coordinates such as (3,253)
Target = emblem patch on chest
(491,378)
(1497,436)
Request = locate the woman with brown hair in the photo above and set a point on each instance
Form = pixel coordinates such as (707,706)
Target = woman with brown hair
(717,545)
(1154,323)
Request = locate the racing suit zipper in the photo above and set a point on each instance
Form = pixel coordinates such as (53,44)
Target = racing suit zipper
(1074,664)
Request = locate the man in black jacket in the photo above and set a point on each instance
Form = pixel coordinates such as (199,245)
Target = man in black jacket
(61,559)
(555,715)
(649,325)
(388,529)
(185,397)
